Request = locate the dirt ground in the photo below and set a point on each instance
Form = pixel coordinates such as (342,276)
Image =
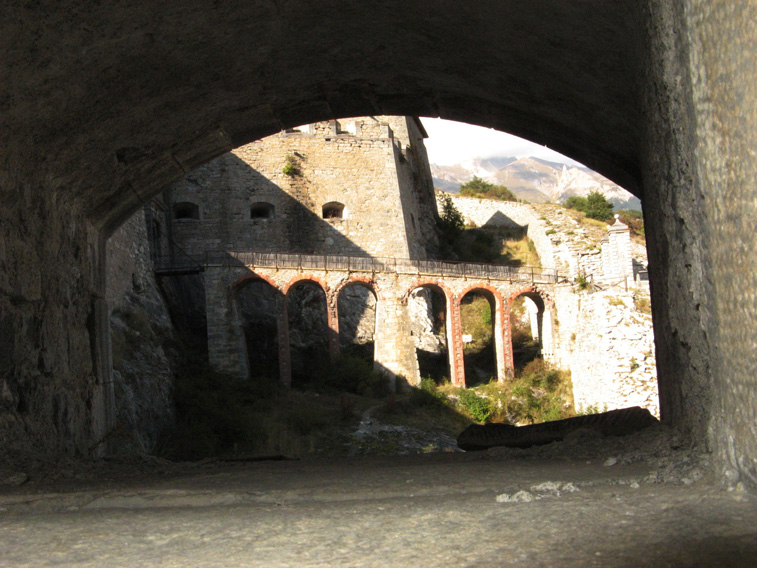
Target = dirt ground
(643,500)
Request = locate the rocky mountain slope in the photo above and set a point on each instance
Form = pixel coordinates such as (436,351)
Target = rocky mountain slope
(533,179)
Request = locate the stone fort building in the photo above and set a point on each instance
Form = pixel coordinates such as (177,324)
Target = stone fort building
(359,187)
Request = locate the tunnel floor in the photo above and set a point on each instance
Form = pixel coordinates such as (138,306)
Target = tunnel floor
(634,503)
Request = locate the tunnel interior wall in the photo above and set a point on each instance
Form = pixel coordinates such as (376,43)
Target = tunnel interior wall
(722,42)
(699,180)
(50,302)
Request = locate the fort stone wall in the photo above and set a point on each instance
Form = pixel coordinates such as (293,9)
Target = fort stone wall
(354,188)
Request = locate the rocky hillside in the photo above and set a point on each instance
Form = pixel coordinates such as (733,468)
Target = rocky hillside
(533,180)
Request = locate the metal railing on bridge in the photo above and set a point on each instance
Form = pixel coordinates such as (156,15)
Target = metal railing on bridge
(383,264)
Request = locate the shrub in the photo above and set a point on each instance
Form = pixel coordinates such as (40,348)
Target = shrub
(642,304)
(595,205)
(486,190)
(213,412)
(634,219)
(356,375)
(478,407)
(291,166)
(582,282)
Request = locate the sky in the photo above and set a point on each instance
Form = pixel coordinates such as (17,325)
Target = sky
(450,143)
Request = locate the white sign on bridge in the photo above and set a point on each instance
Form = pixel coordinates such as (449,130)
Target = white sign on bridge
(467,338)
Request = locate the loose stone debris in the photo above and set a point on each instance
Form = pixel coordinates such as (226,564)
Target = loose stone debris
(540,491)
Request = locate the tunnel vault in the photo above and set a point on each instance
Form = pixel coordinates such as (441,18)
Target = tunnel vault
(102,106)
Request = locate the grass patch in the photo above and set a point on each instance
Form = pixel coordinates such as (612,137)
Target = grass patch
(539,393)
(491,245)
(642,304)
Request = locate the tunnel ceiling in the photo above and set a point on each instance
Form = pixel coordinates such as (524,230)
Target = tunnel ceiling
(110,103)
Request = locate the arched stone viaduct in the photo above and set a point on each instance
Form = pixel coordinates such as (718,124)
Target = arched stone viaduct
(101,106)
(394,347)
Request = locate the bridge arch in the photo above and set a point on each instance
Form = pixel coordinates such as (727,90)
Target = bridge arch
(300,278)
(357,280)
(310,325)
(254,277)
(429,361)
(357,315)
(257,316)
(449,295)
(541,314)
(497,307)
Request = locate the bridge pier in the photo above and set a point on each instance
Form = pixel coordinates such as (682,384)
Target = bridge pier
(394,350)
(282,337)
(499,339)
(332,311)
(455,342)
(227,349)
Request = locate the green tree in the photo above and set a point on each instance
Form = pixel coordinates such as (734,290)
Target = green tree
(452,220)
(595,205)
(478,187)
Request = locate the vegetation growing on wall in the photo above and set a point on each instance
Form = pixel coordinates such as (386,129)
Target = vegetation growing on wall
(291,166)
(486,190)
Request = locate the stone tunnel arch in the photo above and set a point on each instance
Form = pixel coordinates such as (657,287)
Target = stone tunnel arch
(618,86)
(225,113)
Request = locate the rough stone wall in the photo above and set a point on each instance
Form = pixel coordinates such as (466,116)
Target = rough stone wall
(722,60)
(601,338)
(51,315)
(608,345)
(375,174)
(560,241)
(483,212)
(128,261)
(142,338)
(676,228)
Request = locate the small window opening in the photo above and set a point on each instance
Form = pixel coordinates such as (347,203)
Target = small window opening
(333,210)
(186,210)
(262,210)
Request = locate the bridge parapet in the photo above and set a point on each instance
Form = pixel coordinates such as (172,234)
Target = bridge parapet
(440,268)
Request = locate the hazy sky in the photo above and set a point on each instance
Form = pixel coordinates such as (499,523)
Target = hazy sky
(450,142)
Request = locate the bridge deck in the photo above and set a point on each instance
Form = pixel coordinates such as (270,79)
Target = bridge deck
(441,268)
